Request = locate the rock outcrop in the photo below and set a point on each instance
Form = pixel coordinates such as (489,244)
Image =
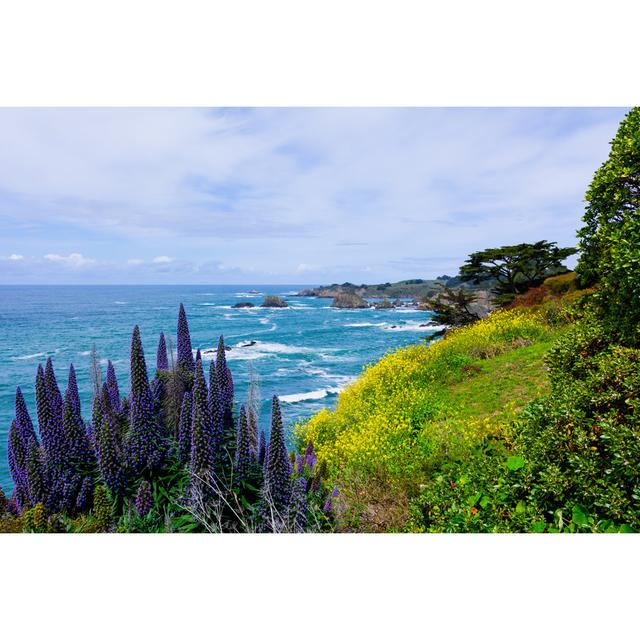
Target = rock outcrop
(274,301)
(346,300)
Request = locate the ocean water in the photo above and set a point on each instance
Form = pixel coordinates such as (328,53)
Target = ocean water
(305,353)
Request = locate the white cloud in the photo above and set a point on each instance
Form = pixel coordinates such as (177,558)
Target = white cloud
(278,191)
(73,260)
(16,256)
(303,267)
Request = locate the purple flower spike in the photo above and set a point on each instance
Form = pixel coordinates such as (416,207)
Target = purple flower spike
(72,391)
(244,455)
(185,354)
(184,428)
(162,361)
(145,447)
(203,448)
(277,464)
(262,449)
(112,388)
(144,499)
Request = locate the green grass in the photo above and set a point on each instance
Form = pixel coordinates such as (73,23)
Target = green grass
(497,387)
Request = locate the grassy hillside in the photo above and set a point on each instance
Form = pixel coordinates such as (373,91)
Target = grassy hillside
(422,407)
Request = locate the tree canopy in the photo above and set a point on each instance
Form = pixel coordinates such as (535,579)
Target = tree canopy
(610,237)
(453,306)
(515,268)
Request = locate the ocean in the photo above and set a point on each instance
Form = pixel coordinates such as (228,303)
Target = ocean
(305,353)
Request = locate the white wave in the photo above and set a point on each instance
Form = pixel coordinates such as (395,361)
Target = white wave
(259,350)
(366,324)
(415,325)
(30,356)
(311,395)
(408,310)
(85,353)
(214,304)
(248,295)
(119,302)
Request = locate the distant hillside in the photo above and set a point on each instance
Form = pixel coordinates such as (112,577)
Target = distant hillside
(416,289)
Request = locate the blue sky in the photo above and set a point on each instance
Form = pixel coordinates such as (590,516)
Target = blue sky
(285,195)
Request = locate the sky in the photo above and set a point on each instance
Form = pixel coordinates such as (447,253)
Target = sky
(275,195)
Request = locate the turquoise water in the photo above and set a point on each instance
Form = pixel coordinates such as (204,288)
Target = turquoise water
(305,354)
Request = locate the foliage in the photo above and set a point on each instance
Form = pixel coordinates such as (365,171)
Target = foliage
(452,306)
(570,463)
(610,237)
(515,268)
(398,421)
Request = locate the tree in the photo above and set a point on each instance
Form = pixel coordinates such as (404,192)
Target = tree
(610,238)
(515,268)
(452,306)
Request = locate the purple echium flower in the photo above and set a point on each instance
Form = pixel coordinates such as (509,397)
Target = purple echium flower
(144,499)
(85,495)
(244,455)
(53,391)
(112,387)
(184,428)
(42,486)
(203,452)
(23,419)
(54,441)
(300,464)
(18,456)
(262,449)
(225,391)
(298,508)
(217,418)
(277,464)
(198,356)
(310,455)
(77,451)
(185,354)
(145,448)
(109,450)
(162,361)
(72,391)
(213,380)
(43,410)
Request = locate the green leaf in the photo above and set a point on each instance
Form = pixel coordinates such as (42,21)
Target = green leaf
(520,507)
(472,500)
(484,501)
(579,516)
(514,463)
(538,527)
(625,528)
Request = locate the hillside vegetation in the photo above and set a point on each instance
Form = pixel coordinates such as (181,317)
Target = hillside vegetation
(526,421)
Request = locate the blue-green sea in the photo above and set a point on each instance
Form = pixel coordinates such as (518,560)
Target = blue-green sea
(305,353)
